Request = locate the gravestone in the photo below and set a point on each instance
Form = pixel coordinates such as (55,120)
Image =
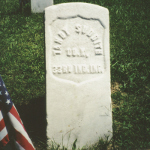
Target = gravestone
(38,6)
(77,74)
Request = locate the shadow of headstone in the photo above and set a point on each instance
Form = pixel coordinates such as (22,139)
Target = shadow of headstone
(33,116)
(25,7)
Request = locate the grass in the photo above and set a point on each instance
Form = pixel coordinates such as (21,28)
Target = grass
(22,53)
(23,70)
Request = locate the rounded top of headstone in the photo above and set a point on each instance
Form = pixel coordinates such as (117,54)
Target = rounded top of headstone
(78,4)
(74,9)
(77,41)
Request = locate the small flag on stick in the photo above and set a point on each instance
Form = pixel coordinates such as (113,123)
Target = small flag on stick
(11,125)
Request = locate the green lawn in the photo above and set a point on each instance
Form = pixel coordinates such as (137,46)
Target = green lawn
(22,64)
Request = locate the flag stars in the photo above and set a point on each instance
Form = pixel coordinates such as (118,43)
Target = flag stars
(8,101)
(6,93)
(4,85)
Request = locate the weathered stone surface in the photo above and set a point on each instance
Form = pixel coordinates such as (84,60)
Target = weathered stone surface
(38,6)
(78,74)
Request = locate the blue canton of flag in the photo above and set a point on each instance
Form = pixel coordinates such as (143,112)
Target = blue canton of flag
(11,124)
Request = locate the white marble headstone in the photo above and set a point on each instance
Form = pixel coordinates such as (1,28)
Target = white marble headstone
(77,74)
(38,6)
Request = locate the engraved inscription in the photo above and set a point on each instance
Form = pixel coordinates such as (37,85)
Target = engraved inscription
(77,49)
(89,32)
(77,69)
(62,69)
(63,34)
(80,29)
(74,52)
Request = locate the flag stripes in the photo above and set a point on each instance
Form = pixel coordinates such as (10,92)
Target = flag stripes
(26,144)
(19,146)
(14,112)
(4,141)
(21,134)
(3,132)
(11,126)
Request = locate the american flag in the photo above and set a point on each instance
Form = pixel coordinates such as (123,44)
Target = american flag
(11,126)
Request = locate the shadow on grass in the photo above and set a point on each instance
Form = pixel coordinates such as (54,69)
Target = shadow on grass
(33,116)
(19,8)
